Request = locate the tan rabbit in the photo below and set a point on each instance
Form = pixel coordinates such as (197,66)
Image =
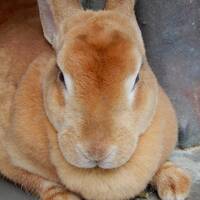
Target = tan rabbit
(91,122)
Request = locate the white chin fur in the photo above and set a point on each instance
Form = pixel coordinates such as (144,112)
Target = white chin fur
(85,165)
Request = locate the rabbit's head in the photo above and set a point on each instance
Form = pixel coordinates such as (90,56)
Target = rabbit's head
(101,94)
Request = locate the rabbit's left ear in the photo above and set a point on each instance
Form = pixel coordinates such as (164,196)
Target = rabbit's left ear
(53,13)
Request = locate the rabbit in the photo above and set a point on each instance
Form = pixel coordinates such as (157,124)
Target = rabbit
(84,117)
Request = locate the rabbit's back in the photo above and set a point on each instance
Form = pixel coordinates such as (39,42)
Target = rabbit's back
(21,42)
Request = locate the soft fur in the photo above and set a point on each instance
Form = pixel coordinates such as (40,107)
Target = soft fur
(51,135)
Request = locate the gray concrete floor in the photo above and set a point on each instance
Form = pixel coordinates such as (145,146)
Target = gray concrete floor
(9,191)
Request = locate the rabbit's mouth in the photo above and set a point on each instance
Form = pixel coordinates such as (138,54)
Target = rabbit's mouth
(95,161)
(103,158)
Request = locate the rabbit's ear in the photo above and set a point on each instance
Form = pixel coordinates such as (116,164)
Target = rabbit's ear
(122,6)
(53,13)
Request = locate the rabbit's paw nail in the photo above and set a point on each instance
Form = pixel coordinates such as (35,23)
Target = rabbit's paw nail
(173,183)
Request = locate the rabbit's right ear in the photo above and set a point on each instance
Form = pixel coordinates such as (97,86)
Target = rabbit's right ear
(53,14)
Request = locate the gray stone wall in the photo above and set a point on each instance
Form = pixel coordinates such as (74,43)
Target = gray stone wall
(171,31)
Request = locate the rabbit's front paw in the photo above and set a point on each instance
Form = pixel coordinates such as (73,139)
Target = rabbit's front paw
(52,191)
(62,196)
(172,182)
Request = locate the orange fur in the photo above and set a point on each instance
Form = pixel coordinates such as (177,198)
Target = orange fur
(49,131)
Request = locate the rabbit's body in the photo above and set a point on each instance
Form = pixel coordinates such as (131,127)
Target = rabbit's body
(21,44)
(29,149)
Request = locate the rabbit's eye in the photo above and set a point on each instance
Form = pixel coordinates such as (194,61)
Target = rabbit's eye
(61,78)
(136,80)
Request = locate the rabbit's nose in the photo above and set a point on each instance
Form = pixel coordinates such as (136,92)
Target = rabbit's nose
(97,152)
